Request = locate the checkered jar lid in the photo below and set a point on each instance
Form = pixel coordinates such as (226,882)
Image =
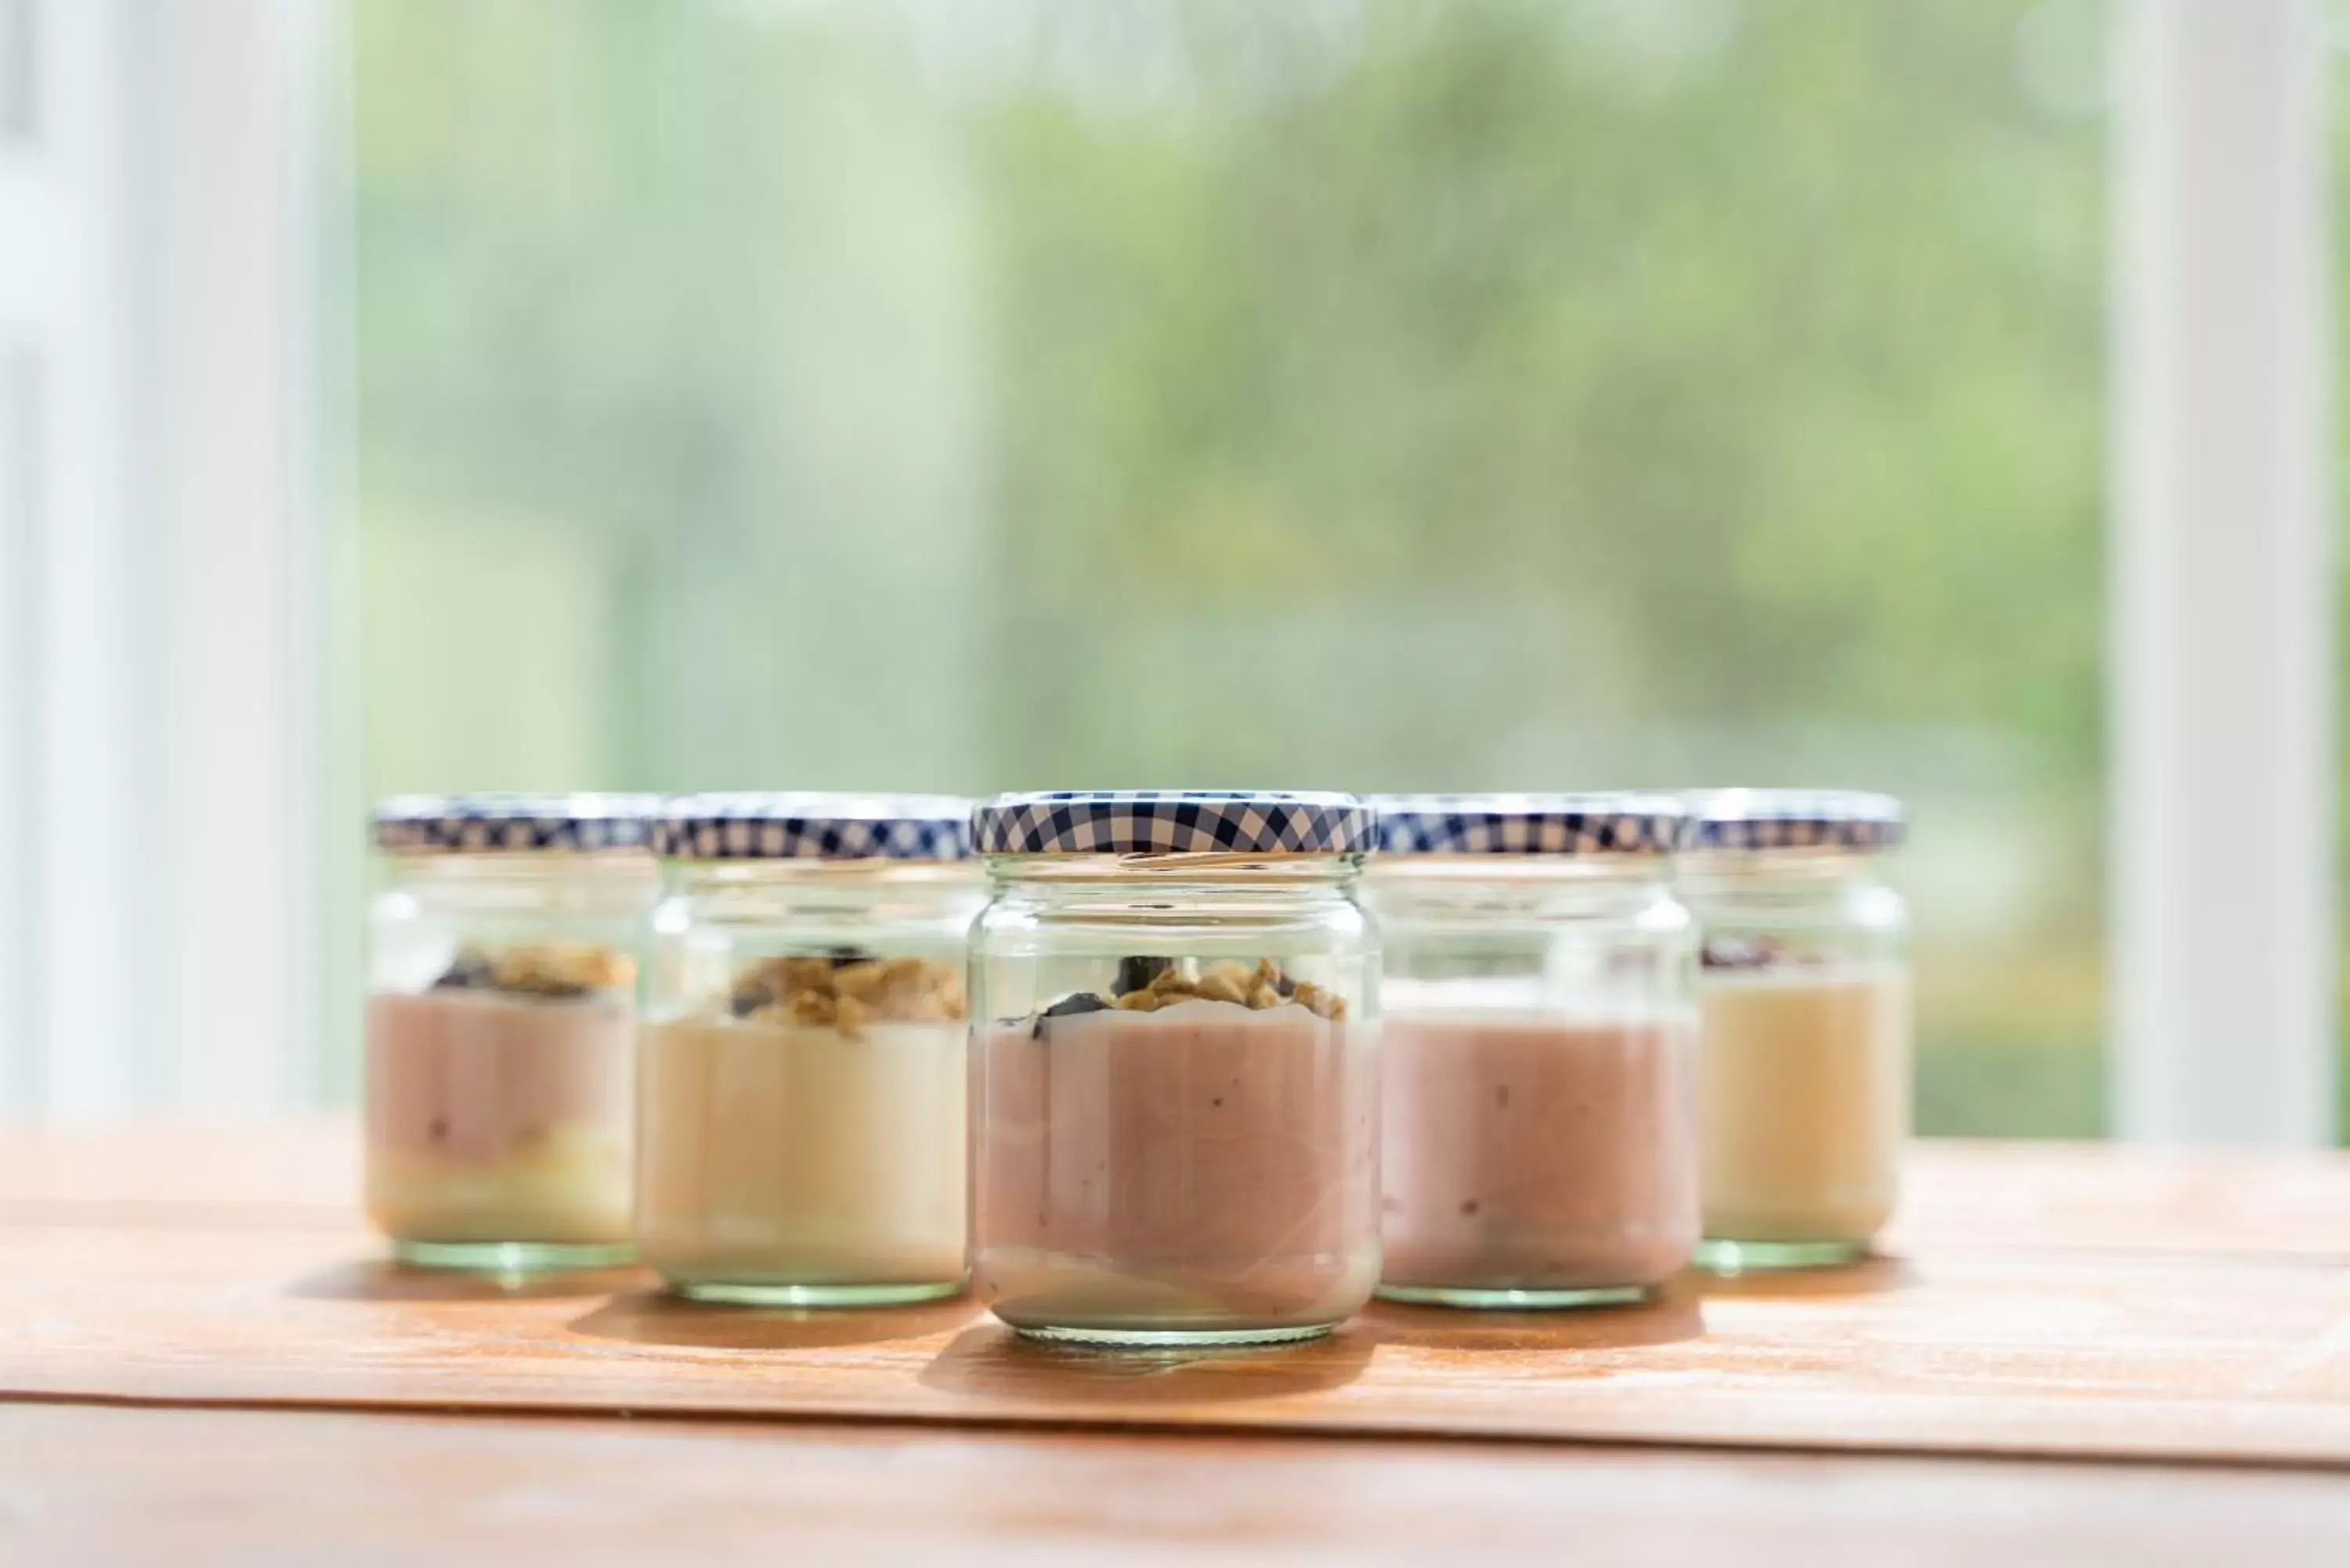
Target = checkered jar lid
(1173,822)
(1587,824)
(510,824)
(813,827)
(1775,819)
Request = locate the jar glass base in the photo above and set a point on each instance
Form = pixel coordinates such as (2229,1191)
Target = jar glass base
(722,1293)
(1514,1300)
(1171,1338)
(1726,1257)
(512,1257)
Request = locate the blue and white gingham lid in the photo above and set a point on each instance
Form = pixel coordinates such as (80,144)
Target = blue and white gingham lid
(510,824)
(1621,823)
(1173,822)
(1768,820)
(813,827)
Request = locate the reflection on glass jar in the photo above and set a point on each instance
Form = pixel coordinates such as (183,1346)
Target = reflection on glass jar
(1539,1146)
(500,1024)
(1175,1081)
(1805,1029)
(801,1112)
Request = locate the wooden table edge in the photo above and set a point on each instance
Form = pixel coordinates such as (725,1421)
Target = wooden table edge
(1275,1429)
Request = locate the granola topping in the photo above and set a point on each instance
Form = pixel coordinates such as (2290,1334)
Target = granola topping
(1148,984)
(847,990)
(555,971)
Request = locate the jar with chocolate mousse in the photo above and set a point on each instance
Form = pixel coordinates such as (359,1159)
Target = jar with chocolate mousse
(801,1111)
(501,1017)
(1175,1067)
(1804,1023)
(1538,1101)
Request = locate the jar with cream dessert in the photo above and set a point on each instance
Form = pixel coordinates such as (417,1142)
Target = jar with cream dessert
(1175,1067)
(1804,1023)
(500,1028)
(801,1110)
(1538,1051)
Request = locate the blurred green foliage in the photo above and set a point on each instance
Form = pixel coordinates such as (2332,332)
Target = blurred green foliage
(1499,393)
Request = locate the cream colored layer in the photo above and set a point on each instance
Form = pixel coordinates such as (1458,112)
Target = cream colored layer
(496,1118)
(1205,1165)
(567,1185)
(792,1154)
(1804,1101)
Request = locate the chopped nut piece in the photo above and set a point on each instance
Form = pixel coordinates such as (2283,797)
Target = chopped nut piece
(1259,986)
(563,969)
(852,989)
(952,995)
(795,974)
(1325,1003)
(859,980)
(1221,985)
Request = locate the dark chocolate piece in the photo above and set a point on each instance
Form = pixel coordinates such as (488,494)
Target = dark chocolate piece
(468,971)
(1136,973)
(1738,952)
(1069,1006)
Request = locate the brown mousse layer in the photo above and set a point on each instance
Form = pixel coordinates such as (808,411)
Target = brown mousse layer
(500,1102)
(1195,1163)
(1538,1154)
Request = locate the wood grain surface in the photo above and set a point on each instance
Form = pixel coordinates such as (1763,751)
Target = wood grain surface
(166,1172)
(91,1486)
(2197,1313)
(2003,1197)
(2103,1199)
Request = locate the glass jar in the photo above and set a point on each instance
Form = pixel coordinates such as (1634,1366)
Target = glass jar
(1804,1023)
(801,1111)
(1538,1096)
(1174,1085)
(500,1023)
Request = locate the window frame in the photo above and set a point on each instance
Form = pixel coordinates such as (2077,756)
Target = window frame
(2221,672)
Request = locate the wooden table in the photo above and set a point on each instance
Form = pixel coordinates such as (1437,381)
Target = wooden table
(2073,1355)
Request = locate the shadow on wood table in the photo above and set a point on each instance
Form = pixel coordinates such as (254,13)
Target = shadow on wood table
(656,1317)
(991,1362)
(1867,1277)
(1673,1317)
(377,1279)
